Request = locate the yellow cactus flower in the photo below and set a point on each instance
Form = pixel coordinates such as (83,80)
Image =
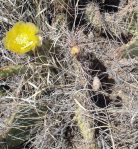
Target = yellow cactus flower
(22,37)
(75,50)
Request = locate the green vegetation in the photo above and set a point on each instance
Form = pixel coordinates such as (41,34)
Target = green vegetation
(79,89)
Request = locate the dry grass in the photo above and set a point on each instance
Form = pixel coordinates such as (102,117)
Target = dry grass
(52,102)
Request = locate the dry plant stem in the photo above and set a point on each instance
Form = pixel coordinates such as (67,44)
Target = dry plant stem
(81,98)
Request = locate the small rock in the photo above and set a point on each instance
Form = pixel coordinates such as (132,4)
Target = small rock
(96,83)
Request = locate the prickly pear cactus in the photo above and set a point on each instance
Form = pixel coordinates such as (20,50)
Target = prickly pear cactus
(93,15)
